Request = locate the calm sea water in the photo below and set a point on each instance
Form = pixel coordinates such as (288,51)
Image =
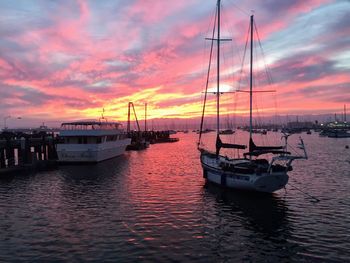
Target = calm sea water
(153,205)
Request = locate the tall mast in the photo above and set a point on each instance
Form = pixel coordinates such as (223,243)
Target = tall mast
(218,75)
(251,79)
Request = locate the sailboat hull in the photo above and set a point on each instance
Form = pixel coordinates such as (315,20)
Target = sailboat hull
(256,181)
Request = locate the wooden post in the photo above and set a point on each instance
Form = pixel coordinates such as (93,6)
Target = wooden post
(44,148)
(22,152)
(38,152)
(10,156)
(2,158)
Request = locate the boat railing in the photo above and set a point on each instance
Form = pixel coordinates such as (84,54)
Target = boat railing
(290,158)
(90,126)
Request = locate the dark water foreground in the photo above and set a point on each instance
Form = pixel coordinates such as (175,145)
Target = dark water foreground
(153,206)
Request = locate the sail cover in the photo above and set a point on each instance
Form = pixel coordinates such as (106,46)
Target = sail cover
(253,147)
(255,150)
(260,152)
(220,144)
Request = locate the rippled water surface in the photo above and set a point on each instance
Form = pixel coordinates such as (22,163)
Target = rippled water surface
(153,205)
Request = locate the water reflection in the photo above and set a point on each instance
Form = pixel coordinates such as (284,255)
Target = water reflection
(264,217)
(265,213)
(152,206)
(103,170)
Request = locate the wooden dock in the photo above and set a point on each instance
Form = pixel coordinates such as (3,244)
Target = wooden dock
(20,151)
(141,139)
(30,152)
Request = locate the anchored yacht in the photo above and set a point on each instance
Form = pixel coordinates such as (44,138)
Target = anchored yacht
(248,173)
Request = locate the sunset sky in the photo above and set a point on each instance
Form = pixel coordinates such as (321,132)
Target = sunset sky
(66,60)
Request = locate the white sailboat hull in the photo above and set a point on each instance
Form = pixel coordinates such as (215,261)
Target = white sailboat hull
(261,182)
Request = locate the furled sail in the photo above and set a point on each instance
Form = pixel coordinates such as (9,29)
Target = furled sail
(255,150)
(220,144)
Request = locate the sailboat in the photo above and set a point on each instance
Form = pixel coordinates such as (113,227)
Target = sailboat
(250,172)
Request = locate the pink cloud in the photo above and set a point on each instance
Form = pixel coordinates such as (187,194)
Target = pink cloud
(80,65)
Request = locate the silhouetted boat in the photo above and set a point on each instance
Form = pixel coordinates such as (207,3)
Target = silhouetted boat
(205,131)
(228,131)
(338,134)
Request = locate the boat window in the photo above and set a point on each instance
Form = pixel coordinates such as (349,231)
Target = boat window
(91,126)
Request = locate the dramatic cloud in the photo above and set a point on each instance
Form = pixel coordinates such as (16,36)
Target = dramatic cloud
(65,60)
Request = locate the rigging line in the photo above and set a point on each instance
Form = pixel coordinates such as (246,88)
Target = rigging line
(234,116)
(240,9)
(293,149)
(259,101)
(275,118)
(235,56)
(212,21)
(244,54)
(255,101)
(305,193)
(268,74)
(226,54)
(207,82)
(233,47)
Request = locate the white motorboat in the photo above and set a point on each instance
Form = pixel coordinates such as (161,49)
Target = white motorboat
(91,141)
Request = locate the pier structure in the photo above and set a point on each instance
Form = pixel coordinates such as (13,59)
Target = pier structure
(20,151)
(152,136)
(142,139)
